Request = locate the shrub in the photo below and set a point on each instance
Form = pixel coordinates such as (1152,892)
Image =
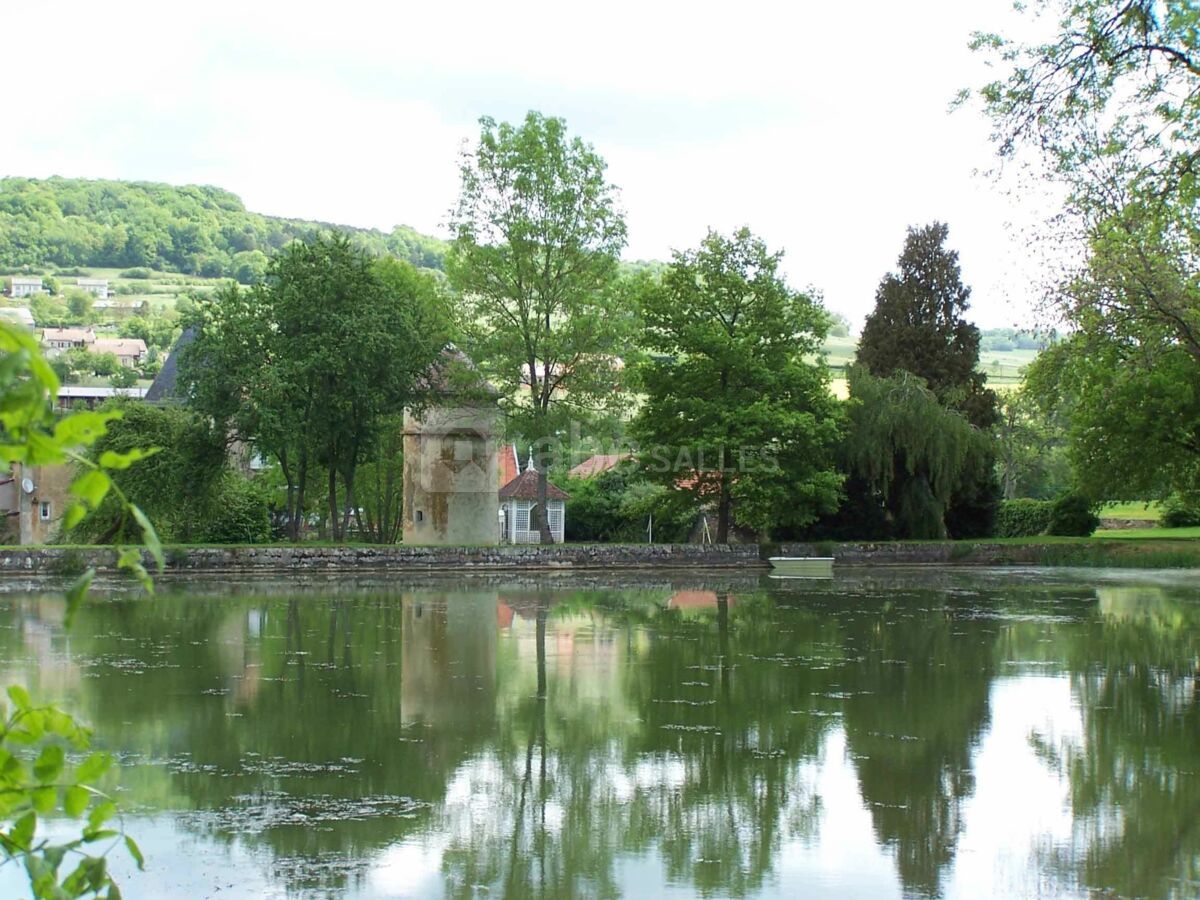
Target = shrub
(138,272)
(238,514)
(1180,511)
(1023,518)
(1073,515)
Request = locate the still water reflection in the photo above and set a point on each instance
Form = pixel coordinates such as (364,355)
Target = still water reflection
(891,733)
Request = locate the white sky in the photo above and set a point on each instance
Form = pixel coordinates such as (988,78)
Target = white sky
(824,127)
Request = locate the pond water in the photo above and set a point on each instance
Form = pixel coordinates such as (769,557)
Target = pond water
(886,733)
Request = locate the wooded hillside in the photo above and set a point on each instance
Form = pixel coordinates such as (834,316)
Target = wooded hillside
(195,230)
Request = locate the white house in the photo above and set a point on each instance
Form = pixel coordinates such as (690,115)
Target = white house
(518,497)
(19,314)
(97,286)
(24,287)
(58,339)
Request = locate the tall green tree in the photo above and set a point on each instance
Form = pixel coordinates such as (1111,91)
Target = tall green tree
(1109,107)
(537,235)
(1113,92)
(918,327)
(906,453)
(309,364)
(737,403)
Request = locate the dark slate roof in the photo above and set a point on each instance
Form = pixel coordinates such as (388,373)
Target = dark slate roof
(163,388)
(524,487)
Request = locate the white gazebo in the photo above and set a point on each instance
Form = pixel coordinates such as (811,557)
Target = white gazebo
(518,498)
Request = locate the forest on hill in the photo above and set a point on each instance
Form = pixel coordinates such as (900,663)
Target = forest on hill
(194,230)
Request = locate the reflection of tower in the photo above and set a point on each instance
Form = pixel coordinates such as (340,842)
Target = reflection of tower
(448,667)
(450,460)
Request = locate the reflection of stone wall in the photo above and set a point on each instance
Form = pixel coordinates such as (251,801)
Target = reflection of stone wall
(400,558)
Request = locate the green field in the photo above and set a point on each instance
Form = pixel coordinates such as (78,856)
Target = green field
(1003,369)
(161,288)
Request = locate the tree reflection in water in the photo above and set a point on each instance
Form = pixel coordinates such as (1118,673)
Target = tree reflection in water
(536,741)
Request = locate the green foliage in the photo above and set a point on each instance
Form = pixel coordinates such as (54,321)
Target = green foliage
(1111,105)
(737,396)
(237,513)
(1030,448)
(123,377)
(37,781)
(309,365)
(537,236)
(30,434)
(1023,517)
(140,226)
(617,506)
(1132,57)
(1180,511)
(1131,413)
(918,327)
(186,485)
(79,305)
(1073,515)
(908,450)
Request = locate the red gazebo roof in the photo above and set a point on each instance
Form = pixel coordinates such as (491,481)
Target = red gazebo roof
(524,487)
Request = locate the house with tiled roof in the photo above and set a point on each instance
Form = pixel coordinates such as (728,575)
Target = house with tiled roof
(128,351)
(598,464)
(517,500)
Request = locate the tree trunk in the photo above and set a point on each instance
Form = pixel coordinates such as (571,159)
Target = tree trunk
(334,518)
(301,486)
(546,536)
(723,510)
(348,478)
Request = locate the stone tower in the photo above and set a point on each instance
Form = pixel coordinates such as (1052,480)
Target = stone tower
(450,490)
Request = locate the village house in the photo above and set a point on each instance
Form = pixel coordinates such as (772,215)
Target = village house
(58,340)
(24,287)
(32,502)
(97,286)
(128,351)
(598,464)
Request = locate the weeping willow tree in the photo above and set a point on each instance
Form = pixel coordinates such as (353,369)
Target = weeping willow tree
(907,450)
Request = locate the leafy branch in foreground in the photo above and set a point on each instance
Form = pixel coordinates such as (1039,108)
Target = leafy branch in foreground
(32,789)
(35,778)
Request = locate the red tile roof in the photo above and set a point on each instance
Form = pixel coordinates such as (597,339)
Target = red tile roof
(524,487)
(598,464)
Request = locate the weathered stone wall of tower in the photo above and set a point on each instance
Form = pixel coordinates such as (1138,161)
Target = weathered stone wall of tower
(450,476)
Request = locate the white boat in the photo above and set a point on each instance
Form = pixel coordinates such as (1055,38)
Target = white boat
(802,566)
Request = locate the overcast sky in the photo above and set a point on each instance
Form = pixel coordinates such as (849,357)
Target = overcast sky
(823,127)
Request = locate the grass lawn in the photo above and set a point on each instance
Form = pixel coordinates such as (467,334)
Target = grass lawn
(1149,534)
(1133,510)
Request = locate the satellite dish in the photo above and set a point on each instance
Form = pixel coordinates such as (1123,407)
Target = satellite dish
(27,485)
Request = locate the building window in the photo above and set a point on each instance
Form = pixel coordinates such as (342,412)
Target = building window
(420,516)
(45,511)
(522,517)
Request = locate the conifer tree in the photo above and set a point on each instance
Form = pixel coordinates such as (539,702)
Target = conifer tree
(918,327)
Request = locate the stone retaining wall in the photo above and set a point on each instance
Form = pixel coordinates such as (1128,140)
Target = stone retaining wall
(903,554)
(70,560)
